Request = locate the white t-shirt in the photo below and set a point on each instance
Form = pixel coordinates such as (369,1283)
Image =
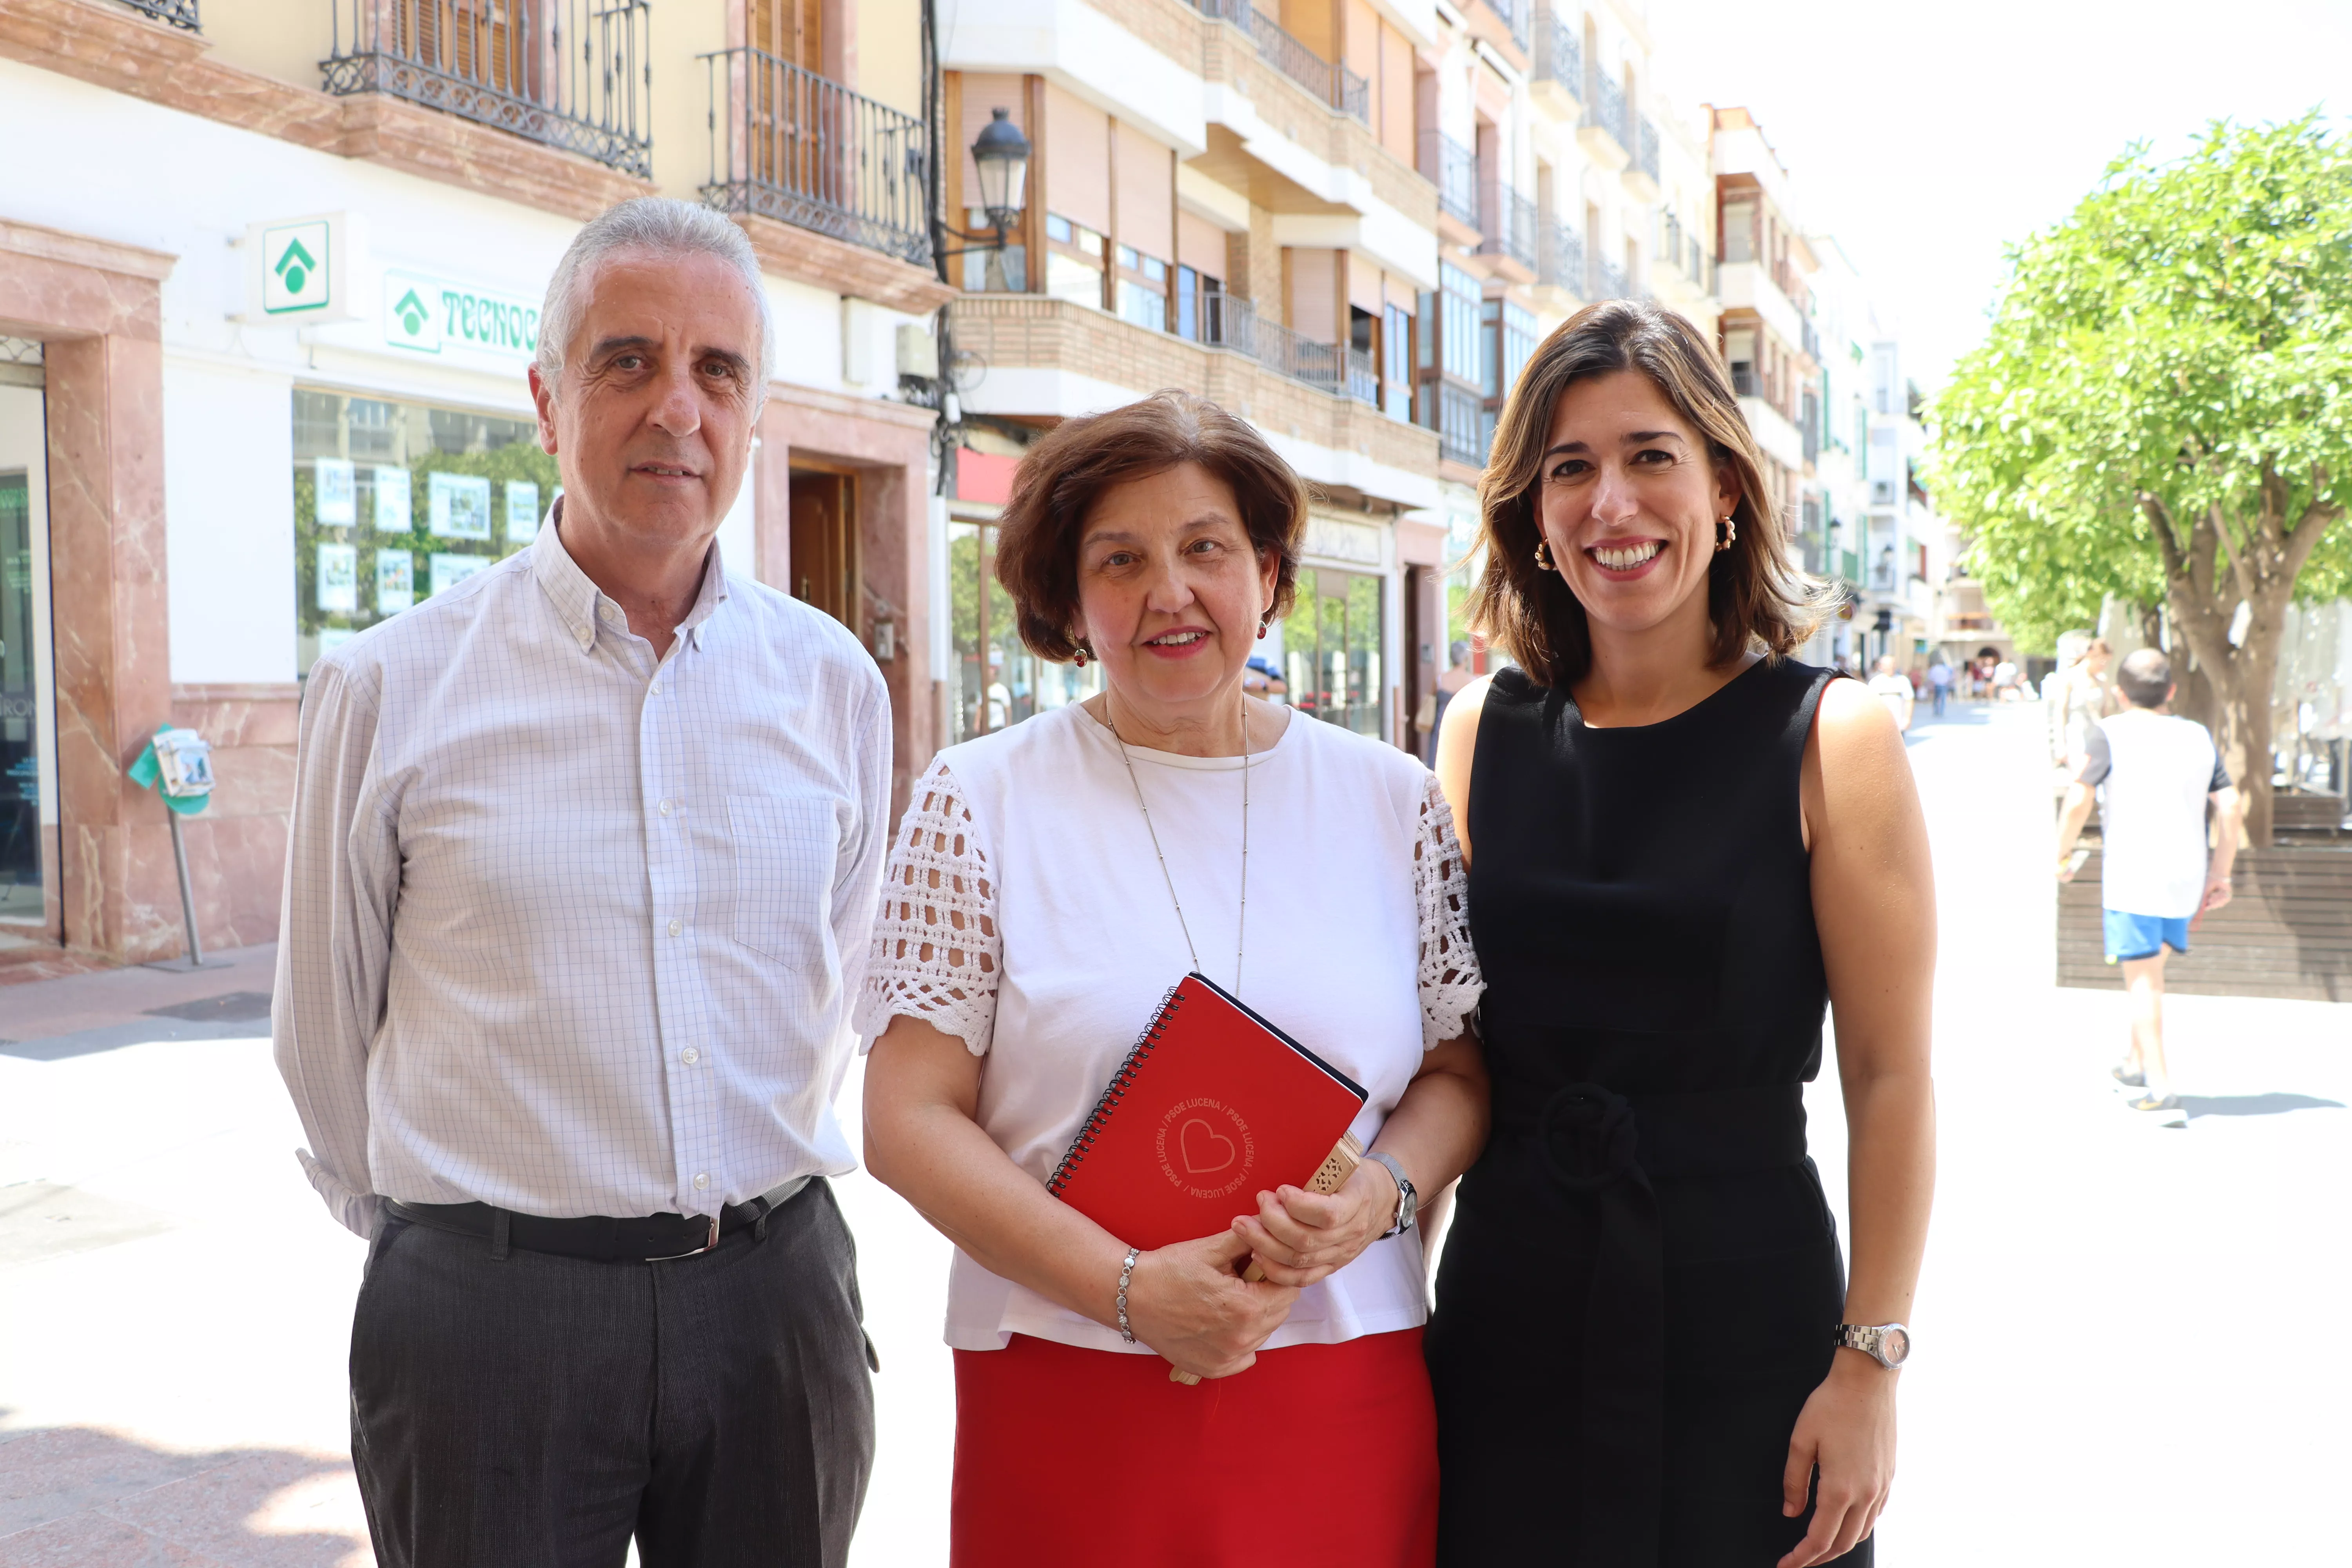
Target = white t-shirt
(2153,773)
(1030,843)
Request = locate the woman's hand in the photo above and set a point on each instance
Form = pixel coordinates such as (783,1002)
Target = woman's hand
(1847,1428)
(1190,1303)
(1301,1237)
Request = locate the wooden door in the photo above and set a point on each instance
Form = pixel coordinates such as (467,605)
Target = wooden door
(825,555)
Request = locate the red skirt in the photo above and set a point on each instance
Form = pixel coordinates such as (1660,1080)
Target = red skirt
(1317,1455)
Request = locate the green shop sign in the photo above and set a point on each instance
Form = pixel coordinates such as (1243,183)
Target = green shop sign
(427,315)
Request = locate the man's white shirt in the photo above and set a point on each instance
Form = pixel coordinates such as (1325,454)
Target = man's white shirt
(570,930)
(2153,773)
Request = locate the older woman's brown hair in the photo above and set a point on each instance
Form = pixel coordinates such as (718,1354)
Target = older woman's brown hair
(1064,475)
(1753,595)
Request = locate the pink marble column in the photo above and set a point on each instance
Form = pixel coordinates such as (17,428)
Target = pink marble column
(97,308)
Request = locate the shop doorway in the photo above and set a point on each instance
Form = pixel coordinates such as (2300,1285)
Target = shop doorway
(1331,644)
(824,542)
(28,782)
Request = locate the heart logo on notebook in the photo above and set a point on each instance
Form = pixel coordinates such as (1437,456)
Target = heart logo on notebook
(1205,1150)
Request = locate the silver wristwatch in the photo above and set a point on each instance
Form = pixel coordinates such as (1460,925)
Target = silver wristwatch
(1408,1200)
(1888,1344)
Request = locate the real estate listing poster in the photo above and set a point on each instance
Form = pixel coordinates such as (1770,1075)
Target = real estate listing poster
(459,505)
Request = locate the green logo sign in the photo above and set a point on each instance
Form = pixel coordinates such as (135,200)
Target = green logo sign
(297,279)
(427,314)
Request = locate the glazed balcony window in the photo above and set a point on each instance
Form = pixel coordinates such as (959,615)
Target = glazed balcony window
(571,74)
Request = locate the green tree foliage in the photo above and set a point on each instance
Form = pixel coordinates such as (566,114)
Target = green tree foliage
(2162,411)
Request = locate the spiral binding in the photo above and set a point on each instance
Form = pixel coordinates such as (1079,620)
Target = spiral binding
(1116,1091)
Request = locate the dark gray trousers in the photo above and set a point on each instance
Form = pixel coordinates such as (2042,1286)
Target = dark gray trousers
(536,1412)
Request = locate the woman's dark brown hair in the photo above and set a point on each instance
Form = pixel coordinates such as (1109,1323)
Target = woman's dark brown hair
(1064,475)
(1753,595)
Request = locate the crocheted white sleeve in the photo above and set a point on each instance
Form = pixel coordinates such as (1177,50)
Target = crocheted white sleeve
(937,951)
(1451,984)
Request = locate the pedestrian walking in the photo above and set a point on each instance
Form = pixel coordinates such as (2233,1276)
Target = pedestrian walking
(1682,846)
(2084,701)
(1939,683)
(1894,690)
(1449,682)
(1084,860)
(583,867)
(2155,774)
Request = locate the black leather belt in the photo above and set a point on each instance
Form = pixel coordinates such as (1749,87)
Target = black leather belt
(600,1239)
(1606,1149)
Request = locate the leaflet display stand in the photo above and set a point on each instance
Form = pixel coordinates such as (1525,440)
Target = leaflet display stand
(178,763)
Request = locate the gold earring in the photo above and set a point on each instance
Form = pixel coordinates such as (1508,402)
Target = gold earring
(1730,532)
(1543,556)
(1084,653)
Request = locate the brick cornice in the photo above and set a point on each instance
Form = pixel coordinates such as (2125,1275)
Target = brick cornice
(844,267)
(815,400)
(112,47)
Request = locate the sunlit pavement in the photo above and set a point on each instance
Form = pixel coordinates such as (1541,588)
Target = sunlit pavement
(2127,1335)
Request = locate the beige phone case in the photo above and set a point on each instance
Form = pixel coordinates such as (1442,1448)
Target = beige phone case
(1333,1175)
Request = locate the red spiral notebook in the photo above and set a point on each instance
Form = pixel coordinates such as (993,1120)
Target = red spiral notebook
(1213,1106)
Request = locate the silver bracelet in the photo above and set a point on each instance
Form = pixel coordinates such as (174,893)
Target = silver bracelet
(1126,1273)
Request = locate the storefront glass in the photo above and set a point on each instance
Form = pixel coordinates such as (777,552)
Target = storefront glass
(1331,648)
(394,502)
(1016,684)
(20,763)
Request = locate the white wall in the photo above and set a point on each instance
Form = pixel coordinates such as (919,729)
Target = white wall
(229,516)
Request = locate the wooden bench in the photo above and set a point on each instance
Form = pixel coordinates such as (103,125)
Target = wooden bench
(2306,814)
(2287,933)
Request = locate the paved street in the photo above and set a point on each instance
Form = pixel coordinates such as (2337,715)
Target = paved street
(2125,1333)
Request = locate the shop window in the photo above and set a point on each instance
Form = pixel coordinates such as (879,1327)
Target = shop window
(998,681)
(1073,261)
(394,502)
(1331,650)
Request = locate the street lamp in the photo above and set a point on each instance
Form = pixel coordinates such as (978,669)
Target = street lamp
(1001,154)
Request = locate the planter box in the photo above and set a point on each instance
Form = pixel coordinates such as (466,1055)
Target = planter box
(2288,932)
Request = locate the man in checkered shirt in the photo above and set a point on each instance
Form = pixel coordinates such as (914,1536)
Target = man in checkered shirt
(584,863)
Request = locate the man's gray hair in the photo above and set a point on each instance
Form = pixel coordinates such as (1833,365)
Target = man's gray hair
(665,227)
(2146,677)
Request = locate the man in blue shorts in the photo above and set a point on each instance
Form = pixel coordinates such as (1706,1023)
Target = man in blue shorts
(2155,774)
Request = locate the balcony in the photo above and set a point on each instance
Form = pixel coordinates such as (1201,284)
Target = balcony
(1608,279)
(1518,16)
(1508,222)
(1453,170)
(1460,432)
(1641,174)
(1559,66)
(1054,358)
(1601,133)
(1559,259)
(569,74)
(1775,432)
(788,144)
(179,13)
(1334,84)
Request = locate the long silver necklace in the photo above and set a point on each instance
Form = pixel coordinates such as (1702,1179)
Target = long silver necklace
(1242,931)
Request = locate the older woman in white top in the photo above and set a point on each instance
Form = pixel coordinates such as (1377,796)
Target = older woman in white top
(1029,931)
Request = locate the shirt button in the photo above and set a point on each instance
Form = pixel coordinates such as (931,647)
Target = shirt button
(689,1056)
(657,689)
(610,612)
(701,1182)
(665,808)
(676,927)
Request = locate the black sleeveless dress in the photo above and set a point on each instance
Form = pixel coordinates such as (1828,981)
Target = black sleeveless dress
(1643,1281)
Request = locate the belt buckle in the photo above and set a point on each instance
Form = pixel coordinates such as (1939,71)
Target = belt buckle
(709,1242)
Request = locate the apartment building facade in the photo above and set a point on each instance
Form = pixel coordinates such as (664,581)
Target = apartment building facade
(267,291)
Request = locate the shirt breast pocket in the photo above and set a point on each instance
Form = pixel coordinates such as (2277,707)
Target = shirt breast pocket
(785,848)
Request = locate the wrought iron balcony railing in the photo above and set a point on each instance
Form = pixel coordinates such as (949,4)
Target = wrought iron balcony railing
(1608,279)
(792,146)
(179,13)
(1229,321)
(1645,156)
(1363,384)
(1335,84)
(1508,222)
(1453,170)
(572,74)
(1604,106)
(1559,258)
(1519,15)
(1561,58)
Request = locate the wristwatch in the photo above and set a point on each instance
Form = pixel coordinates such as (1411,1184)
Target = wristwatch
(1408,1200)
(1888,1344)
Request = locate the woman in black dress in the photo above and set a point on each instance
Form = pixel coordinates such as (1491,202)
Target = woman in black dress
(1684,846)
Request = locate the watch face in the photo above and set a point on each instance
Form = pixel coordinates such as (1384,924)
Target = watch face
(1894,1344)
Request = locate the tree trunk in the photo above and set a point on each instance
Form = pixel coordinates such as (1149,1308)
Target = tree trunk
(2241,680)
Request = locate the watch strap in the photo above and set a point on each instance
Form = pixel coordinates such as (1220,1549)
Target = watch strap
(1408,1196)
